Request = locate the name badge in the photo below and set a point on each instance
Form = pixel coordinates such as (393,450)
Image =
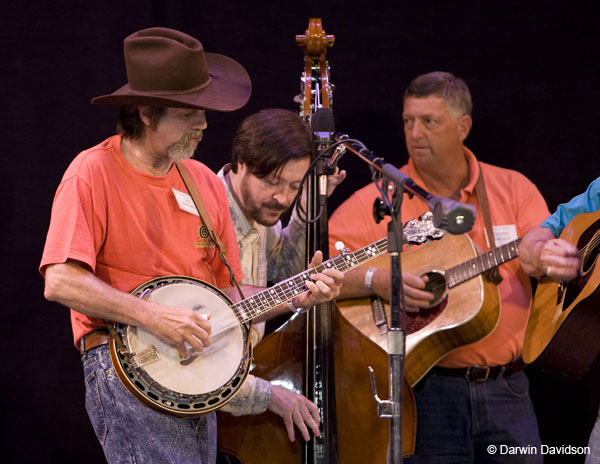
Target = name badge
(505,234)
(185,202)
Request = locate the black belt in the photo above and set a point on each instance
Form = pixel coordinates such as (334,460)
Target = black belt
(480,373)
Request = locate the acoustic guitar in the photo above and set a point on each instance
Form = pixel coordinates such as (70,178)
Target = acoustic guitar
(562,334)
(465,308)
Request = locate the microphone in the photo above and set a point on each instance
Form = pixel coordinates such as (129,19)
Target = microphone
(322,123)
(323,127)
(450,215)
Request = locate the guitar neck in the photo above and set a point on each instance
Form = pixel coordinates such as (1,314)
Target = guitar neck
(458,274)
(286,290)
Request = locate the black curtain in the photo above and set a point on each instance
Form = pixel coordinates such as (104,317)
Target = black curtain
(532,68)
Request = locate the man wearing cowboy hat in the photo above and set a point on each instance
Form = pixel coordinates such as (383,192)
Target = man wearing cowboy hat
(120,217)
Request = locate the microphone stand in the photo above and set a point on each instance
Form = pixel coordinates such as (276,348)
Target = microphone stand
(392,408)
(396,331)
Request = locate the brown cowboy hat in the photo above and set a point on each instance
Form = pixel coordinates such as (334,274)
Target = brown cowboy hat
(166,67)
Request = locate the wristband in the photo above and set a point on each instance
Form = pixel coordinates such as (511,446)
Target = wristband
(369,279)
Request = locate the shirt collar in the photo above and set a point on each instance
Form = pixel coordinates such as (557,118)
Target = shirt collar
(473,173)
(241,222)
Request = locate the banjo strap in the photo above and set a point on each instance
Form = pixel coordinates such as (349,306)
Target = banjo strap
(191,187)
(221,249)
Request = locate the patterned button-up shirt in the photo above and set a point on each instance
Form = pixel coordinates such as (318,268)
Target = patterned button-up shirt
(267,254)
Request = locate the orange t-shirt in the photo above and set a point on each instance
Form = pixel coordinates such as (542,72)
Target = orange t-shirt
(127,227)
(516,206)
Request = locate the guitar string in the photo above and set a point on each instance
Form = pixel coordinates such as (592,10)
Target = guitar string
(458,274)
(469,269)
(267,301)
(591,244)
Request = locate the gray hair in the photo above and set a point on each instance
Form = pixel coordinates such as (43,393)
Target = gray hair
(452,89)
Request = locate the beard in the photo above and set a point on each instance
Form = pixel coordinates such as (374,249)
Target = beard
(185,147)
(266,214)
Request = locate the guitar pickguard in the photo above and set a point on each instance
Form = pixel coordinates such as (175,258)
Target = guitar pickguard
(437,285)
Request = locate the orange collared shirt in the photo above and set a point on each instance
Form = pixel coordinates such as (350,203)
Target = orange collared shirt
(515,205)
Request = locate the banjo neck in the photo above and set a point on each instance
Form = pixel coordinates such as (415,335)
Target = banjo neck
(287,289)
(415,232)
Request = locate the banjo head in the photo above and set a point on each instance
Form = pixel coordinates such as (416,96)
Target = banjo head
(153,370)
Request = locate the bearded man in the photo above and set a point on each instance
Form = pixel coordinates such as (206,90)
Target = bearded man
(122,216)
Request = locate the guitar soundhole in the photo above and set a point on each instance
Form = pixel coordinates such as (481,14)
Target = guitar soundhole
(588,243)
(591,253)
(437,286)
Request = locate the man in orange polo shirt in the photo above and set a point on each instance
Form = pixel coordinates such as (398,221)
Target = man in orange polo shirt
(476,398)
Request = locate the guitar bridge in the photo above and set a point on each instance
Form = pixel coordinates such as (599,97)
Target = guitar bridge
(149,355)
(379,316)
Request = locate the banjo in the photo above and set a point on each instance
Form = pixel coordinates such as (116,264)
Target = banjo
(151,368)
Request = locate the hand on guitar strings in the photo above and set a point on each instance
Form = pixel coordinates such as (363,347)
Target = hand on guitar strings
(296,410)
(540,252)
(559,259)
(415,296)
(323,287)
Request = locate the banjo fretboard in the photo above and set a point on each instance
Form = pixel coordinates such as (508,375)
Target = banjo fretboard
(286,290)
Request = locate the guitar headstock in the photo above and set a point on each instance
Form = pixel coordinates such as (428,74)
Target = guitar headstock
(418,231)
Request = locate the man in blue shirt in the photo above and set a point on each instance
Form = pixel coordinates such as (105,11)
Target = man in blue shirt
(541,252)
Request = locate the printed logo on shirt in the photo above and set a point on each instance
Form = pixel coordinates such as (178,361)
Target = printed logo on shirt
(204,240)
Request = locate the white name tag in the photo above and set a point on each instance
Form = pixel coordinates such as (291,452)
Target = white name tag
(185,202)
(505,234)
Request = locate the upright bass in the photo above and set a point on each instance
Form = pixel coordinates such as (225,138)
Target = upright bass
(319,353)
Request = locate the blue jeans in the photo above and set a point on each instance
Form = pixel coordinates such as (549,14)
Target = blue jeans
(461,421)
(594,443)
(131,432)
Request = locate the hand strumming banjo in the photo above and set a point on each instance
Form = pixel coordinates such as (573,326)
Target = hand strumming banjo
(150,367)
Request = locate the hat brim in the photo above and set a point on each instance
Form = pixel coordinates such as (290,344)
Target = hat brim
(229,89)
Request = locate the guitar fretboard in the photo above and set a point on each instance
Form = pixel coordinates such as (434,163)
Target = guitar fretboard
(458,274)
(287,289)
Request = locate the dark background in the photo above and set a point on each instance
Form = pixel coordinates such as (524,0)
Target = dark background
(532,68)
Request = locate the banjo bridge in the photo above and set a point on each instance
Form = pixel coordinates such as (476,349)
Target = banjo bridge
(149,355)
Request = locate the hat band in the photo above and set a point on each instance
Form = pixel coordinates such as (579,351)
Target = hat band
(172,92)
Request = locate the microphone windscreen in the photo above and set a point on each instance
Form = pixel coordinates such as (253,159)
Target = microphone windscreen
(322,121)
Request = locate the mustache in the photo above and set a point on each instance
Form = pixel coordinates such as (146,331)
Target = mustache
(276,206)
(195,134)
